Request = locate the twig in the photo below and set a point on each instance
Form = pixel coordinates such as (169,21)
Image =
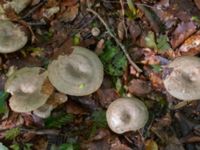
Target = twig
(123,19)
(41,131)
(31,11)
(116,39)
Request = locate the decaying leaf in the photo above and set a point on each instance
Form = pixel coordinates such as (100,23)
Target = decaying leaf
(191,46)
(139,87)
(181,33)
(154,20)
(70,13)
(151,145)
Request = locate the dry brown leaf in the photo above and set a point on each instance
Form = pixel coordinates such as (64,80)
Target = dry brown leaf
(106,96)
(69,3)
(181,33)
(133,29)
(120,30)
(139,87)
(151,145)
(74,108)
(69,14)
(197,2)
(191,46)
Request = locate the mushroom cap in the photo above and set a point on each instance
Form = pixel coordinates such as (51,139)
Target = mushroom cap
(45,110)
(12,38)
(183,81)
(80,73)
(26,87)
(18,5)
(126,114)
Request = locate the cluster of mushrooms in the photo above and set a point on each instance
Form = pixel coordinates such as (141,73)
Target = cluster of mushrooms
(79,74)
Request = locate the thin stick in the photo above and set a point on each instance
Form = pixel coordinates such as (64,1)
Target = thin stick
(123,19)
(116,40)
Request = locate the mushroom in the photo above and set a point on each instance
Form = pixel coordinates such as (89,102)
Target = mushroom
(126,114)
(183,79)
(17,5)
(54,101)
(29,88)
(12,37)
(78,74)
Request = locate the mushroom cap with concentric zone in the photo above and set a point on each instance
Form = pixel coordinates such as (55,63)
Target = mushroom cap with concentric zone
(26,88)
(126,114)
(12,38)
(183,81)
(78,74)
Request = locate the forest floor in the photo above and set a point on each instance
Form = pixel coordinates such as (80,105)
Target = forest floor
(142,37)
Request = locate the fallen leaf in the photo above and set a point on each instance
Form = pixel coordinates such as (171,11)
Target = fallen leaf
(69,14)
(134,30)
(151,145)
(153,19)
(139,87)
(120,30)
(174,144)
(106,96)
(181,33)
(197,2)
(191,46)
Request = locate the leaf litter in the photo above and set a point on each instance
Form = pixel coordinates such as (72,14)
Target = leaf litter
(151,32)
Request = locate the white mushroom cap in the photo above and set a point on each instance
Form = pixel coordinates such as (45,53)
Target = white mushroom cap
(80,73)
(126,114)
(183,82)
(26,86)
(12,38)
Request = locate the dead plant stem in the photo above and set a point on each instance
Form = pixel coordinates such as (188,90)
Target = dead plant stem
(116,39)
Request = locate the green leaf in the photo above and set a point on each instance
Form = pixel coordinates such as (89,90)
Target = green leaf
(58,121)
(99,119)
(150,40)
(131,6)
(113,60)
(156,68)
(12,133)
(162,43)
(3,97)
(27,146)
(66,146)
(76,39)
(3,147)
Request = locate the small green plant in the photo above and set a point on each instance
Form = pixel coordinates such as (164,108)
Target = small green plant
(113,59)
(58,121)
(160,44)
(99,121)
(156,68)
(3,97)
(12,133)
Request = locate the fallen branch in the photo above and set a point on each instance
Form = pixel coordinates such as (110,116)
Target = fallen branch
(116,39)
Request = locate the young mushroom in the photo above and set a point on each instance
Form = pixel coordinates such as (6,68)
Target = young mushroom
(80,73)
(28,87)
(126,114)
(54,101)
(183,79)
(12,37)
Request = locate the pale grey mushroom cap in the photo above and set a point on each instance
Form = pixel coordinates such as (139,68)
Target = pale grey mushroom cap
(55,100)
(12,38)
(25,86)
(126,114)
(183,81)
(17,5)
(80,73)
